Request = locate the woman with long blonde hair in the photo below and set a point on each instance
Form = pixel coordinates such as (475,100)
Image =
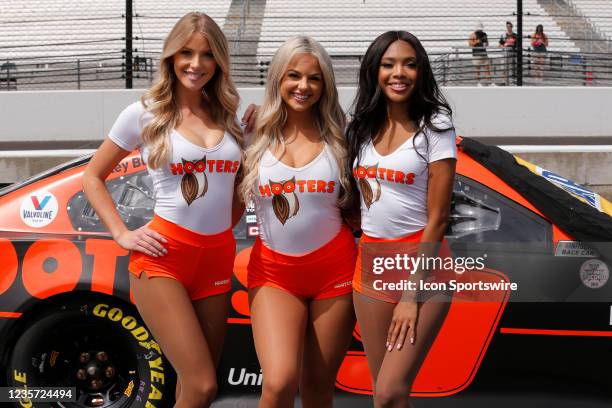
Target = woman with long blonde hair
(181,263)
(300,269)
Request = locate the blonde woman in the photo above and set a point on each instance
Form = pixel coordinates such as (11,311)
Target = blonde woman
(300,270)
(181,263)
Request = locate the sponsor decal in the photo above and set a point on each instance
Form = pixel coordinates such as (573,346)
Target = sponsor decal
(38,210)
(244,377)
(251,219)
(575,249)
(594,273)
(253,231)
(583,194)
(129,164)
(250,208)
(142,335)
(129,389)
(22,378)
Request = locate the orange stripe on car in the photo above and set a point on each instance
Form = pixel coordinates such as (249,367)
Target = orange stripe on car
(10,315)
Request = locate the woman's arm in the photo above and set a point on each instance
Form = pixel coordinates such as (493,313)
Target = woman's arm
(439,193)
(94,186)
(238,204)
(441,175)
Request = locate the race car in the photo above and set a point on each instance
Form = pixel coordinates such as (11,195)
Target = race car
(67,318)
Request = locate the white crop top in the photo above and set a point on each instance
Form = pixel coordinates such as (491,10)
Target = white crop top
(393,188)
(195,189)
(297,208)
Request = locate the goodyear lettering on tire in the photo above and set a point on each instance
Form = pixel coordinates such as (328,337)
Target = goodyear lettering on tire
(142,335)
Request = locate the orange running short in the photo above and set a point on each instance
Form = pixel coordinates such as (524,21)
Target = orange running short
(324,273)
(202,263)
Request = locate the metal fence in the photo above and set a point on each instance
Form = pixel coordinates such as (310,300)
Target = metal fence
(580,51)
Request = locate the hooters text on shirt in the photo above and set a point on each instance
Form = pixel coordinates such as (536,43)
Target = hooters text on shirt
(301,186)
(201,166)
(395,176)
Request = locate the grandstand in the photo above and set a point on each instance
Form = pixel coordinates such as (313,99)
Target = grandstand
(599,12)
(59,28)
(346,27)
(51,44)
(58,39)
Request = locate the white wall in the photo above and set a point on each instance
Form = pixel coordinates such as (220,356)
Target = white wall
(482,112)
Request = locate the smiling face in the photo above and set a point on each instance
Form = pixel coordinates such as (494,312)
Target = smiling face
(194,64)
(302,83)
(397,73)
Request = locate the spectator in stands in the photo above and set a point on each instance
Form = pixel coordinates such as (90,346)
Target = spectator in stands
(507,41)
(402,149)
(181,264)
(479,41)
(539,43)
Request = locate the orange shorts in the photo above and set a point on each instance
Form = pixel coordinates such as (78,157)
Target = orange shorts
(363,281)
(324,273)
(202,263)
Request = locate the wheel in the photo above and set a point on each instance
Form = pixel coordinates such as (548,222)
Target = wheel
(101,347)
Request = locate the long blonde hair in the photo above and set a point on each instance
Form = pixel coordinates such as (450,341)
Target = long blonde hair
(160,98)
(272,116)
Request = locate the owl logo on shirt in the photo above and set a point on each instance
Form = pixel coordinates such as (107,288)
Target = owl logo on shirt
(367,177)
(285,202)
(194,183)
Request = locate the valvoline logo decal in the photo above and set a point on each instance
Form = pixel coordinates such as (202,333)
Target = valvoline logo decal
(39,206)
(38,210)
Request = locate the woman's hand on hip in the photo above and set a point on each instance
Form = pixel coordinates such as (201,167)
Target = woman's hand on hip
(143,240)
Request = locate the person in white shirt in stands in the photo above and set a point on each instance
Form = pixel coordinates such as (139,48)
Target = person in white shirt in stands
(301,266)
(182,262)
(402,149)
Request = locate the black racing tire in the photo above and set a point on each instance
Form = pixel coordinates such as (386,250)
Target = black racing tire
(101,346)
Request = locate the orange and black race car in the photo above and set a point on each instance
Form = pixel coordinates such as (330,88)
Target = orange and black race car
(66,317)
